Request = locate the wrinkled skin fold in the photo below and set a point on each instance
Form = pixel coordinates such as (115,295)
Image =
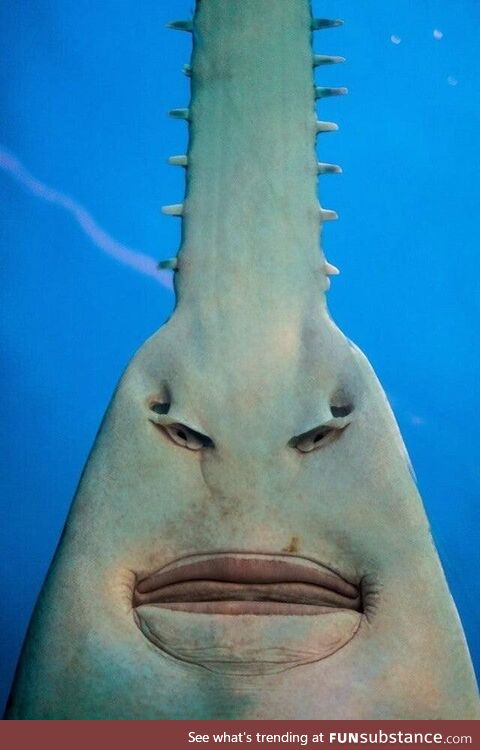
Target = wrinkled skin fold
(247,540)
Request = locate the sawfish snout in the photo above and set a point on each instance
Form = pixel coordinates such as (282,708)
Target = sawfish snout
(247,613)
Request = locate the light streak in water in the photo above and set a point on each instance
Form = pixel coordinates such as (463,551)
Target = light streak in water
(121,253)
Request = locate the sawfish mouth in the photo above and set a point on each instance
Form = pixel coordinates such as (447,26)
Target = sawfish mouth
(247,614)
(236,584)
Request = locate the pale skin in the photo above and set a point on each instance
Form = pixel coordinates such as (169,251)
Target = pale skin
(248,430)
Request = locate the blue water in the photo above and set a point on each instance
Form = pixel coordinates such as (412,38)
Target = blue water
(86,88)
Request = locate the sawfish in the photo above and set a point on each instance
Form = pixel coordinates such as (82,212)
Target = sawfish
(247,540)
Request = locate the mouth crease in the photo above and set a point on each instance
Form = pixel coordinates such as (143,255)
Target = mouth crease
(230,579)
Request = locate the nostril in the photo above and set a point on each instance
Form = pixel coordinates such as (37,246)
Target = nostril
(317,438)
(187,437)
(322,432)
(160,407)
(341,403)
(341,411)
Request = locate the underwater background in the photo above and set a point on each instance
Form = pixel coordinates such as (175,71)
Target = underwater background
(84,139)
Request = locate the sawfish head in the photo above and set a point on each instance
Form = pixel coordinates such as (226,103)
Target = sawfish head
(274,493)
(247,539)
(247,525)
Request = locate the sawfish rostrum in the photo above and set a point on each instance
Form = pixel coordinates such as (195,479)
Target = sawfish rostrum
(247,540)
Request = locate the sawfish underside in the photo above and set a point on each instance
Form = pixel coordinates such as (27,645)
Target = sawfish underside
(247,540)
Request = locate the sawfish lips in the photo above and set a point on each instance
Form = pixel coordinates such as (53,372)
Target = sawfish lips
(227,612)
